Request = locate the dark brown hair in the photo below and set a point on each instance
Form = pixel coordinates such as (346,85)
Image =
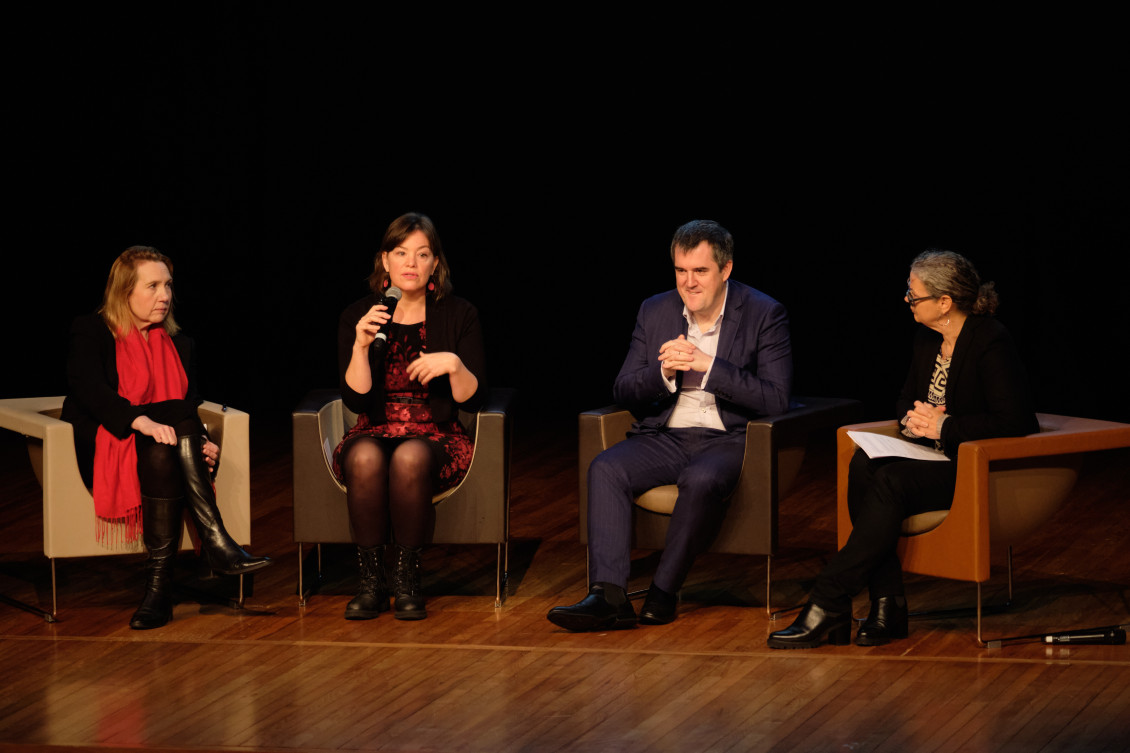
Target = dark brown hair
(402,227)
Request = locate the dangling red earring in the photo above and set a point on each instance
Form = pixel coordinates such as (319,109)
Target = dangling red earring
(386,283)
(431,285)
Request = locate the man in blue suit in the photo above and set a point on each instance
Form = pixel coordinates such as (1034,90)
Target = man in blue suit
(705,359)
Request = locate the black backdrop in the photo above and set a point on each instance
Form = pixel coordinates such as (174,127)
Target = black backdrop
(266,147)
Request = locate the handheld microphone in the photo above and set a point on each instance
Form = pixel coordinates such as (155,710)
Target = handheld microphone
(391,298)
(1108,636)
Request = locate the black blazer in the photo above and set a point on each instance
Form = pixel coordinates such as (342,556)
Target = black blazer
(452,326)
(987,393)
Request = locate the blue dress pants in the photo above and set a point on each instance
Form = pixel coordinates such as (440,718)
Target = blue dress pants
(703,463)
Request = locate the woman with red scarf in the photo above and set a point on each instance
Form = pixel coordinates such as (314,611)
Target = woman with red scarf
(141,446)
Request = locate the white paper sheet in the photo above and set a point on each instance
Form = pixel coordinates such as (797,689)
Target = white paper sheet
(884,446)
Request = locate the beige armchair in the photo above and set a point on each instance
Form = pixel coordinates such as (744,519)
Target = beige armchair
(476,511)
(68,507)
(775,449)
(1006,489)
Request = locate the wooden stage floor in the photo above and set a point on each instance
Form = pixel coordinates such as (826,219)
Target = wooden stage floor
(280,677)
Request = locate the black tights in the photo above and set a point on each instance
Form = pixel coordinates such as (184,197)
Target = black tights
(158,467)
(390,481)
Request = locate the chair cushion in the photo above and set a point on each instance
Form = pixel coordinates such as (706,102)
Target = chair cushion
(923,522)
(661,499)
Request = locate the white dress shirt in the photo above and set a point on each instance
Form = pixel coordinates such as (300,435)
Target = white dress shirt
(695,406)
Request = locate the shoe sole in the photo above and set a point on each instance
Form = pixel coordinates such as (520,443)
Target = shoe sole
(649,619)
(864,641)
(583,624)
(244,570)
(807,644)
(833,637)
(366,614)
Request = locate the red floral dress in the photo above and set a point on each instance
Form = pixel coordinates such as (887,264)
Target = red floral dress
(407,415)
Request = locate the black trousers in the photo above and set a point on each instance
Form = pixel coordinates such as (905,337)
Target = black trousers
(881,494)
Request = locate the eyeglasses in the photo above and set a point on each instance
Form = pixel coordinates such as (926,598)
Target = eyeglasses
(909,295)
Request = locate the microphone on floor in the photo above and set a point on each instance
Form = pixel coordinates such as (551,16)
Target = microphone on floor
(1108,636)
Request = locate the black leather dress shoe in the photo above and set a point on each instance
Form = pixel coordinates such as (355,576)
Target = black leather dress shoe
(605,608)
(659,608)
(886,621)
(812,626)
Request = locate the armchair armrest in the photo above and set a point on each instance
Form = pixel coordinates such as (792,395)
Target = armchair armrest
(601,428)
(784,437)
(597,430)
(68,517)
(966,529)
(231,430)
(1059,435)
(487,478)
(845,449)
(52,456)
(25,415)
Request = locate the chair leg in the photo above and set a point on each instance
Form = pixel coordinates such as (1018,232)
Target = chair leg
(54,597)
(498,577)
(301,590)
(980,640)
(769,586)
(774,616)
(1010,574)
(47,616)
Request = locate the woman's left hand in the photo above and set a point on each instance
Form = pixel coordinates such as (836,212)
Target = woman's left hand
(211,453)
(431,365)
(924,420)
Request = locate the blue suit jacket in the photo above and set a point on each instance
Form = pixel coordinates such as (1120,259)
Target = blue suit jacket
(753,368)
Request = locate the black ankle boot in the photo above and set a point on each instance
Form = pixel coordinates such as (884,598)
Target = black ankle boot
(221,551)
(886,621)
(161,529)
(811,626)
(409,604)
(372,594)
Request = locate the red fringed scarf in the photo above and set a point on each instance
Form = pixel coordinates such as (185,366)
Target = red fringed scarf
(149,371)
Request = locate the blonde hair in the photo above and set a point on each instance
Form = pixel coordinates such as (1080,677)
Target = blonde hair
(123,276)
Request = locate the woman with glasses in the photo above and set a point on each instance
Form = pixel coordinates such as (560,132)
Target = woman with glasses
(966,382)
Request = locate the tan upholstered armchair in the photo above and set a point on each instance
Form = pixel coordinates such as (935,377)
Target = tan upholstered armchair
(1006,489)
(476,511)
(775,449)
(68,508)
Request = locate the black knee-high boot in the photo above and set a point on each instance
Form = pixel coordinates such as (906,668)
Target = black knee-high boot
(409,604)
(223,554)
(161,529)
(372,594)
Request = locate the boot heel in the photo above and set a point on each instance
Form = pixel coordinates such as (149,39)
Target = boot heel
(840,636)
